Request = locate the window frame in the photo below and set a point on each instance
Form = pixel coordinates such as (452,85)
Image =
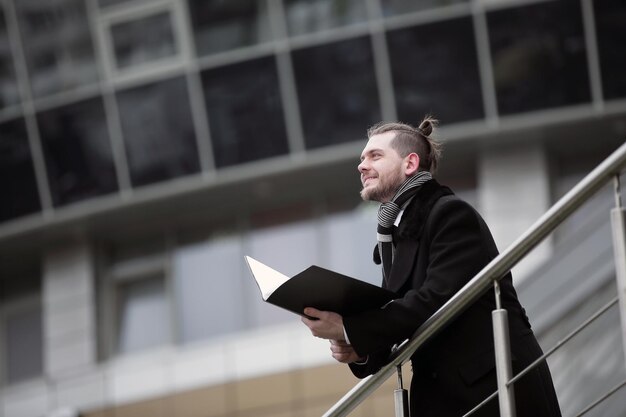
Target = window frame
(132,12)
(155,265)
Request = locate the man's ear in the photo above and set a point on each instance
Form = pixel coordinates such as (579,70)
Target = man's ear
(412,163)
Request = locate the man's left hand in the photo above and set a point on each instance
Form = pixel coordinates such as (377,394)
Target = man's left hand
(328,325)
(343,352)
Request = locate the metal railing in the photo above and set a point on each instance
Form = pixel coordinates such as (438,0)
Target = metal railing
(610,168)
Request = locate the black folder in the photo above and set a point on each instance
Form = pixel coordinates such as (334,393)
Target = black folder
(319,288)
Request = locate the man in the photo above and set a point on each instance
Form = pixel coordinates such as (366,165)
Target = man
(439,244)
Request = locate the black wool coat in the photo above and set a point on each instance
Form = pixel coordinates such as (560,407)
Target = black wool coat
(440,244)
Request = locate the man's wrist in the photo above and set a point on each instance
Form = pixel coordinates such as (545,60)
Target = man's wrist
(361,361)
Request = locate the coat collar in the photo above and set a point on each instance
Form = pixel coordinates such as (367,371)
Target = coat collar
(410,230)
(416,213)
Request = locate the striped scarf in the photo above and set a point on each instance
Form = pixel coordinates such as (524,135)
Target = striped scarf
(388,213)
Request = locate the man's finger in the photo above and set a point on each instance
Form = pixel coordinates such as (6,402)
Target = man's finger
(313,312)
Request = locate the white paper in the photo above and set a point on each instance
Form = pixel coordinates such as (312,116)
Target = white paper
(268,279)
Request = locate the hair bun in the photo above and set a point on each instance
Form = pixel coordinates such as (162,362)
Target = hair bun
(428,125)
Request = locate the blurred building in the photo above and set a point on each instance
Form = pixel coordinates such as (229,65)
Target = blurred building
(147,146)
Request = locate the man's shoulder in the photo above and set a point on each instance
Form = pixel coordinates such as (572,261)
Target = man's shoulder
(431,195)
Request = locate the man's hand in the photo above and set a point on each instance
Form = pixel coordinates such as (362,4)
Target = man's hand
(328,325)
(344,352)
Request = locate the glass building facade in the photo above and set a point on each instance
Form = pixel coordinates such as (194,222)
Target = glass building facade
(261,79)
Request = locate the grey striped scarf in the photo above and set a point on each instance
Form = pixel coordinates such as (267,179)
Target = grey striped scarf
(387,214)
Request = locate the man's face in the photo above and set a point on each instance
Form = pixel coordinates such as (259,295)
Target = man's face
(381,169)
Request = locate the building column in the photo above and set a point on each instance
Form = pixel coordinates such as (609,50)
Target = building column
(69,312)
(513,192)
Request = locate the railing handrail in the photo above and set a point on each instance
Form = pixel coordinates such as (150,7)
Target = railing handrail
(496,269)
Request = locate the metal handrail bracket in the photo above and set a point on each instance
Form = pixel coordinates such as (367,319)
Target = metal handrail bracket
(495,270)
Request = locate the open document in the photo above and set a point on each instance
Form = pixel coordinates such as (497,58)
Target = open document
(319,288)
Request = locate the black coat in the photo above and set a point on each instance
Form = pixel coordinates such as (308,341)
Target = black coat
(441,243)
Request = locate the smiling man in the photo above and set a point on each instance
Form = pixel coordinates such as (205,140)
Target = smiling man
(430,244)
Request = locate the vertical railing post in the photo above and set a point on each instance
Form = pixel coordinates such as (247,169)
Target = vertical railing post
(502,347)
(401,396)
(618,223)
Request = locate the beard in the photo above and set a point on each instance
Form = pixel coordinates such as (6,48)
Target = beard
(384,190)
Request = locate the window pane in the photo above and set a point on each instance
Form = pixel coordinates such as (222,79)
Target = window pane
(77,151)
(391,7)
(158,131)
(611,30)
(133,45)
(24,343)
(57,44)
(17,175)
(337,91)
(223,25)
(9,93)
(143,320)
(306,16)
(245,112)
(209,290)
(435,70)
(538,55)
(289,249)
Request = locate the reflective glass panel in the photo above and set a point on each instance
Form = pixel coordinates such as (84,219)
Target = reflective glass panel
(223,25)
(289,248)
(77,150)
(350,240)
(24,341)
(538,56)
(57,44)
(202,291)
(9,94)
(17,174)
(337,91)
(611,32)
(391,7)
(306,16)
(245,111)
(435,70)
(158,131)
(143,40)
(143,315)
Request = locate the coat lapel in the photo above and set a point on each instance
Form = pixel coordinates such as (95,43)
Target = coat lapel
(403,264)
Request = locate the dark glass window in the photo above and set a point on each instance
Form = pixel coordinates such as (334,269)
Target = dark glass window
(17,175)
(245,111)
(306,16)
(142,315)
(391,7)
(337,91)
(9,94)
(107,3)
(21,332)
(77,150)
(57,44)
(133,47)
(223,25)
(538,56)
(435,70)
(158,131)
(611,32)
